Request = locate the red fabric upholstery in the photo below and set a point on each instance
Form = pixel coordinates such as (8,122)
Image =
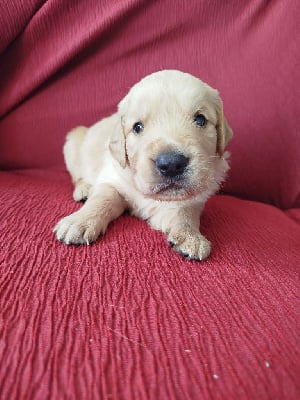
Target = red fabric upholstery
(126,318)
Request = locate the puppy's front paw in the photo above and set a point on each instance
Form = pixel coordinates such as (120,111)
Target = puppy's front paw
(75,229)
(191,246)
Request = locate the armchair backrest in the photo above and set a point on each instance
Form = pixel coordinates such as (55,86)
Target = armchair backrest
(64,64)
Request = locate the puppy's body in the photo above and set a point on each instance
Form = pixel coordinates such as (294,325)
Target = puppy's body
(160,156)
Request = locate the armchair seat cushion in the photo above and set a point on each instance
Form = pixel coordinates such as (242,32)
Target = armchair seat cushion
(127,318)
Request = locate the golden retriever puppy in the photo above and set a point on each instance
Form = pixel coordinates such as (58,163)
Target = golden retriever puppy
(161,156)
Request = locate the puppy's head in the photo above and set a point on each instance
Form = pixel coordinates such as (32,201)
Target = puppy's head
(172,136)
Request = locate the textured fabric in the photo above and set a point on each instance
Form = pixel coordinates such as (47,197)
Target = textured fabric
(126,318)
(74,60)
(14,16)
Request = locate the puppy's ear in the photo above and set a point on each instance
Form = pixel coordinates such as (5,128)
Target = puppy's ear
(224,132)
(117,144)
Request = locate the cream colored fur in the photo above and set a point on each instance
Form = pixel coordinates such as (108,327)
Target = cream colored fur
(114,168)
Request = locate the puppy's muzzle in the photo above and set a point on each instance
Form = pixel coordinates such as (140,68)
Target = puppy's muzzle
(171,164)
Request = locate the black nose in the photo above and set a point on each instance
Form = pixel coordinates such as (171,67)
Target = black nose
(171,164)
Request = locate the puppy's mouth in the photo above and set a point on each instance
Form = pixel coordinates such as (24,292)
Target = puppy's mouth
(168,184)
(175,188)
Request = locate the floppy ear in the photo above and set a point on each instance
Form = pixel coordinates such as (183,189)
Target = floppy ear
(224,132)
(117,144)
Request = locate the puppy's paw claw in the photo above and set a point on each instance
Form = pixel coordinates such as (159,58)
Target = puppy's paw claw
(185,255)
(73,230)
(193,247)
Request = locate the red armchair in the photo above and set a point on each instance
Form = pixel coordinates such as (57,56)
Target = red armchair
(126,318)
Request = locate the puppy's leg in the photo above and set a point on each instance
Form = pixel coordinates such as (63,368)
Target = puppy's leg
(84,226)
(72,154)
(181,226)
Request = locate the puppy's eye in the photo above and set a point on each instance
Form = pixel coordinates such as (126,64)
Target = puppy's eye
(200,120)
(138,127)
